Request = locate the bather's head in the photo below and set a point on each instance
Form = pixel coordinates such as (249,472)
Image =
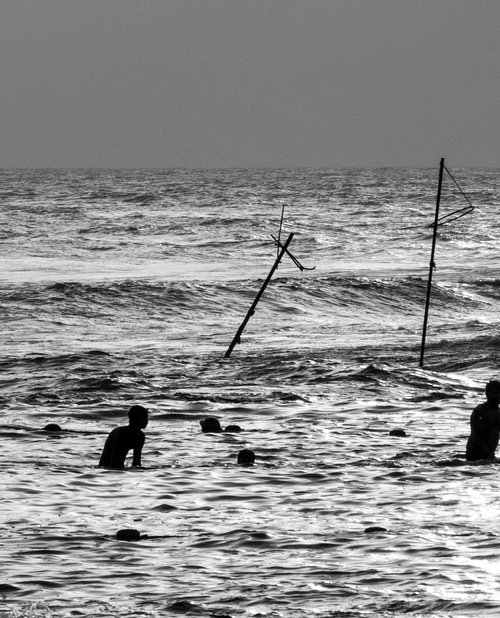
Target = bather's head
(210,425)
(246,457)
(138,417)
(493,391)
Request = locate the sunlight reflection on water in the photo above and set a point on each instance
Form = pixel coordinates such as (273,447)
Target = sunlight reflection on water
(121,287)
(281,518)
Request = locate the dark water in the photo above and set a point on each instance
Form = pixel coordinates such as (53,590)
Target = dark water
(122,287)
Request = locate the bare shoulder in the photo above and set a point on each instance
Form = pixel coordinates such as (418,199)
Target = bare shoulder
(481,408)
(119,431)
(485,412)
(477,412)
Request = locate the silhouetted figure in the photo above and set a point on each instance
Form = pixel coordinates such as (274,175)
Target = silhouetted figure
(128,534)
(485,425)
(122,439)
(233,429)
(52,427)
(210,425)
(246,457)
(401,433)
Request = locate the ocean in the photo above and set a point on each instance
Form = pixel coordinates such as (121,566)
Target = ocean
(123,287)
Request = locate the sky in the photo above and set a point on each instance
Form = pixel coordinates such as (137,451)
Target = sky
(249,83)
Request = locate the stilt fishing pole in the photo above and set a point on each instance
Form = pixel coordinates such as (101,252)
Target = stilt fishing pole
(432,264)
(279,233)
(447,218)
(251,311)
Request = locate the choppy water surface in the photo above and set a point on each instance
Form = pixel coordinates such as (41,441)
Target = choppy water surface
(122,287)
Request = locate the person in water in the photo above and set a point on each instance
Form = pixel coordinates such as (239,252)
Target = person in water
(485,425)
(122,439)
(246,457)
(212,425)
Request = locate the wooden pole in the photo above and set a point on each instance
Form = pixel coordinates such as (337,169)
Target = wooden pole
(432,264)
(251,311)
(279,234)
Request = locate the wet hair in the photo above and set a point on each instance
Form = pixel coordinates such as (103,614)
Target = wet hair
(246,456)
(233,429)
(137,413)
(492,384)
(210,425)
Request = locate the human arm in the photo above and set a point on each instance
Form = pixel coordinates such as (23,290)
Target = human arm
(138,444)
(483,433)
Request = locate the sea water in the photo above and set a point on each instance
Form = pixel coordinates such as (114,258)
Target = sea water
(127,286)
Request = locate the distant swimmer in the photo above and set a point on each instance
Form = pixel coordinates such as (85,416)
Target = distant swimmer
(122,439)
(233,429)
(212,425)
(246,457)
(485,426)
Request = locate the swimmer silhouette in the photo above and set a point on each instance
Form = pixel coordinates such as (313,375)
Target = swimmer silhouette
(122,439)
(212,425)
(233,429)
(246,457)
(485,426)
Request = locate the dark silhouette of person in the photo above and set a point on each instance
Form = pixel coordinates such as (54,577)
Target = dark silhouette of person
(122,439)
(485,426)
(246,457)
(212,425)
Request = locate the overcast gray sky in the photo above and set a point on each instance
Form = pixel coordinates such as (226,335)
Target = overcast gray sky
(216,83)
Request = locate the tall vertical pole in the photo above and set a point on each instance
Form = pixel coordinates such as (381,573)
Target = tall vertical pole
(432,264)
(279,235)
(251,311)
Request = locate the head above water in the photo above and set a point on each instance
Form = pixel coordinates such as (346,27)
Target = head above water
(493,391)
(138,417)
(246,457)
(210,425)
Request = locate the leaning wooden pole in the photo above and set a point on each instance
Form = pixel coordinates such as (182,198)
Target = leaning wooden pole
(432,264)
(251,311)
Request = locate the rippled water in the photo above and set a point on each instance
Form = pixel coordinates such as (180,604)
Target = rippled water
(123,287)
